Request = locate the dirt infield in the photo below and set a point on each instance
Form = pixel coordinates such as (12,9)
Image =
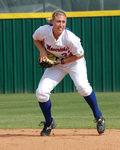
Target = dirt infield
(60,139)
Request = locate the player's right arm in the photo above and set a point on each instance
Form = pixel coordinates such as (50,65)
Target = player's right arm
(38,38)
(39,45)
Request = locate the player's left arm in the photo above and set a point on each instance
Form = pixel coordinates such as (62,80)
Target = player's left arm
(69,59)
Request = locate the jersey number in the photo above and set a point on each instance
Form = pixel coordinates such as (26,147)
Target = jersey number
(65,54)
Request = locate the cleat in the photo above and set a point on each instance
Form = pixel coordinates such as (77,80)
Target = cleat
(48,127)
(100,124)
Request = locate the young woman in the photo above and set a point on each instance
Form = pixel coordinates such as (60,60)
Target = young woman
(65,45)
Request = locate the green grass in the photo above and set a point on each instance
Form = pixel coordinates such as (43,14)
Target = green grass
(69,110)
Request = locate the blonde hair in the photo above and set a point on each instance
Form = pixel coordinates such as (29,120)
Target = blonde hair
(55,13)
(58,12)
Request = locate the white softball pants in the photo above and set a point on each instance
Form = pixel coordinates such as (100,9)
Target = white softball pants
(52,76)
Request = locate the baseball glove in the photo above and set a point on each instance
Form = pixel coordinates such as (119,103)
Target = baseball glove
(49,62)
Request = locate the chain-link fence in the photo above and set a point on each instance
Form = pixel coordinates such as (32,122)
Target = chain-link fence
(22,6)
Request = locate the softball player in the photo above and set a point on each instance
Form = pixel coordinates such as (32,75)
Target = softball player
(67,47)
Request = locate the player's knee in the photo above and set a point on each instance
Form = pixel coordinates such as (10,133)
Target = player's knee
(42,95)
(85,90)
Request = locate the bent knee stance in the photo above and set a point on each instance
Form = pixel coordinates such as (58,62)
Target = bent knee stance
(84,90)
(42,95)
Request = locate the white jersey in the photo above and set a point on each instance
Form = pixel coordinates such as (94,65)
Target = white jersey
(67,43)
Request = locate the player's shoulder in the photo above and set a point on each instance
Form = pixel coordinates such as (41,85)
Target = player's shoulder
(44,30)
(45,27)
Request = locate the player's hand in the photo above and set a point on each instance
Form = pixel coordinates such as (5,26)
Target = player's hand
(43,56)
(59,61)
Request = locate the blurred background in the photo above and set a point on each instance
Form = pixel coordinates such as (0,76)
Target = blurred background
(100,38)
(18,6)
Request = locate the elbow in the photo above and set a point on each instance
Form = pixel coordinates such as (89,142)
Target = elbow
(81,56)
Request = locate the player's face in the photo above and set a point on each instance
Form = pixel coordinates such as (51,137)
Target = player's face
(59,24)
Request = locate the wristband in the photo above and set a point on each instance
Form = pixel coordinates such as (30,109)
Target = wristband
(62,61)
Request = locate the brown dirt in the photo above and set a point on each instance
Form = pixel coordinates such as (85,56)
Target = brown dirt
(60,139)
